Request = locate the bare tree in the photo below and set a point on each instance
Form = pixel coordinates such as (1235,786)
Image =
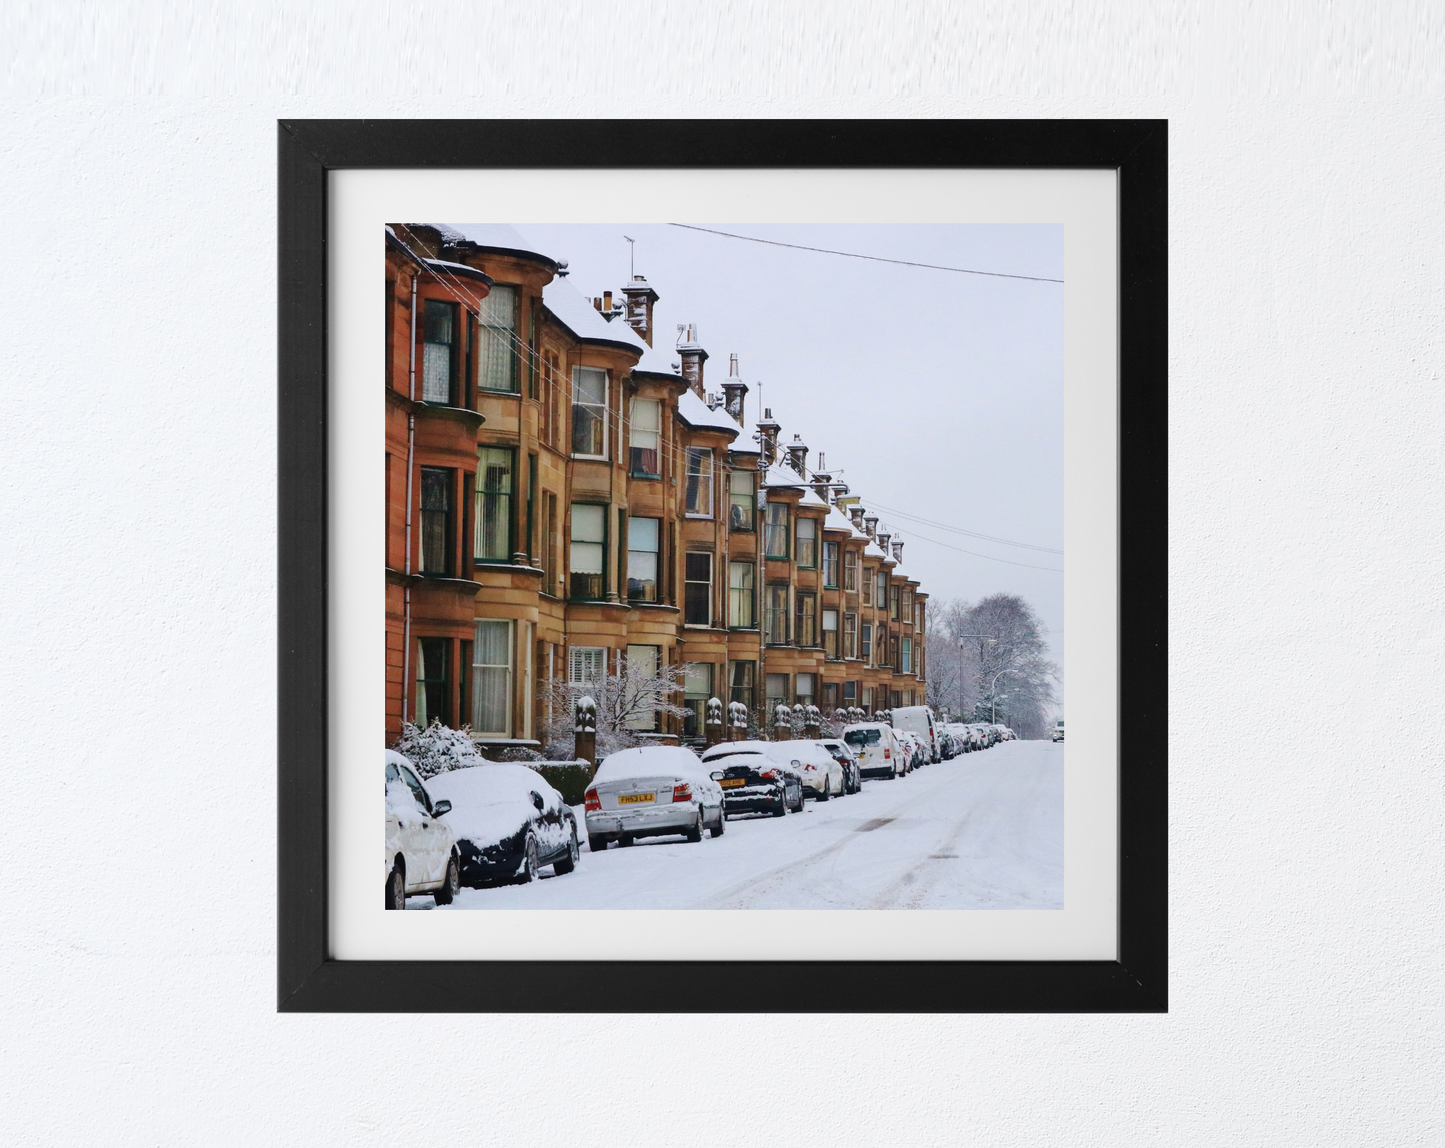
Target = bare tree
(1013,680)
(629,703)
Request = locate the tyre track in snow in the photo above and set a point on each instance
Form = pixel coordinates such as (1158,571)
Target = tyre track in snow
(745,893)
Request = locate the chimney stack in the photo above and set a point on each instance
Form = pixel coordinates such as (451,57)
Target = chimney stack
(693,357)
(798,455)
(840,491)
(768,429)
(640,298)
(898,549)
(822,480)
(734,391)
(856,514)
(870,524)
(883,537)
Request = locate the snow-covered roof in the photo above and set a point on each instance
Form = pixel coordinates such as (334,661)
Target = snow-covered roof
(502,237)
(585,321)
(697,415)
(873,550)
(447,267)
(780,475)
(810,498)
(837,520)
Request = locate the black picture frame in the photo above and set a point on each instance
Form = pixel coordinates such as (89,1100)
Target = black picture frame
(308,979)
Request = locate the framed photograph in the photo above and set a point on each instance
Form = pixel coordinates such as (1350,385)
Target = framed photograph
(742,482)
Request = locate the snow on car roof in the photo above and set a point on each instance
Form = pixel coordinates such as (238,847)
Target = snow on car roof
(491,802)
(730,747)
(649,761)
(394,758)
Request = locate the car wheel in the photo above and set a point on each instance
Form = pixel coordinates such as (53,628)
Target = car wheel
(396,889)
(782,809)
(625,840)
(695,833)
(529,861)
(451,884)
(827,790)
(597,843)
(565,865)
(799,807)
(722,823)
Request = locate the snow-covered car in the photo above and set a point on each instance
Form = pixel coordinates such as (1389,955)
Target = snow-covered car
(919,720)
(508,822)
(822,773)
(1059,730)
(752,780)
(652,791)
(843,754)
(879,752)
(421,852)
(914,749)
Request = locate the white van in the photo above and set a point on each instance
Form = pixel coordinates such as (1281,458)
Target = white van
(919,720)
(877,749)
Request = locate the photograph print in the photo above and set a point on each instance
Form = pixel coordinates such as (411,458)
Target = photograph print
(724,566)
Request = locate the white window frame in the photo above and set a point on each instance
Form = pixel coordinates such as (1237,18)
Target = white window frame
(635,428)
(578,658)
(701,452)
(606,407)
(476,666)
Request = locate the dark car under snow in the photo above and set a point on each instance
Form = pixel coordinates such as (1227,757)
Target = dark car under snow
(752,780)
(508,823)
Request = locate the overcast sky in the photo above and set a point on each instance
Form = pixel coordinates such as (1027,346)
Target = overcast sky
(932,392)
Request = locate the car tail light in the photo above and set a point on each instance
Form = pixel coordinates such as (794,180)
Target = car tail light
(769,774)
(682,792)
(594,803)
(811,768)
(887,754)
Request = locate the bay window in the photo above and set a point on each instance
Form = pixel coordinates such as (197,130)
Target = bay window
(438,352)
(642,543)
(492,530)
(906,665)
(436,520)
(850,570)
(740,595)
(807,542)
(492,678)
(588,560)
(589,412)
(868,586)
(432,656)
(850,635)
(775,536)
(646,439)
(830,565)
(496,338)
(742,499)
(697,589)
(741,689)
(865,647)
(830,633)
(805,631)
(696,689)
(775,614)
(699,482)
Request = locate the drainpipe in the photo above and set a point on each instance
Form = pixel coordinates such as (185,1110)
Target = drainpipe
(410,452)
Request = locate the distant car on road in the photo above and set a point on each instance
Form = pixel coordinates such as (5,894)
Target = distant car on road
(1059,730)
(844,755)
(878,748)
(421,852)
(509,823)
(651,791)
(752,780)
(822,773)
(919,720)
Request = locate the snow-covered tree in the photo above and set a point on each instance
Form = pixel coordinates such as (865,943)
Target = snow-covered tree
(437,748)
(626,704)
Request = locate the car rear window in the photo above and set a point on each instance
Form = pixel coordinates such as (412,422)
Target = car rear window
(862,736)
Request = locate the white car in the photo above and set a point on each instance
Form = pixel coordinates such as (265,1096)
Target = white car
(823,775)
(651,791)
(878,749)
(919,720)
(913,749)
(843,754)
(1059,730)
(421,852)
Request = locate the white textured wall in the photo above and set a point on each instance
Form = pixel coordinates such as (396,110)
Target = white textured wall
(136,965)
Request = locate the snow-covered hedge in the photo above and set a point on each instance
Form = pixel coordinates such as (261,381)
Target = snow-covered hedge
(438,748)
(569,778)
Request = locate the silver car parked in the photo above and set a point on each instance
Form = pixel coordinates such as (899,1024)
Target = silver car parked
(651,791)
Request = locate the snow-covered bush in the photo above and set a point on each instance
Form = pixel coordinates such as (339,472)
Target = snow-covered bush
(437,748)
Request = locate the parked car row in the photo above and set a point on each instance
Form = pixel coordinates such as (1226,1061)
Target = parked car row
(497,823)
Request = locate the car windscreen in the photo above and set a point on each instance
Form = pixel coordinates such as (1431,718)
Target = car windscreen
(862,736)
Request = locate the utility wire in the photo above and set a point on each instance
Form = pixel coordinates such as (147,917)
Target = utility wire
(960,530)
(873,258)
(914,534)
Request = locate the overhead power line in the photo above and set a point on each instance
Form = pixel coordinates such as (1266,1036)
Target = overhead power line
(914,534)
(872,258)
(960,530)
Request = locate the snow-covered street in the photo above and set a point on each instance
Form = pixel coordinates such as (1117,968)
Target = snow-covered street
(983,831)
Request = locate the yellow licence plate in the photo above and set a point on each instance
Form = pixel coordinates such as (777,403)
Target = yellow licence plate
(635,798)
(730,781)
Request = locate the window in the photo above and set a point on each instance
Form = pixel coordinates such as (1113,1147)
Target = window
(741,689)
(897,699)
(550,573)
(586,664)
(806,631)
(868,699)
(492,678)
(589,412)
(906,665)
(740,595)
(830,633)
(882,601)
(531,509)
(807,542)
(642,663)
(496,362)
(589,550)
(697,589)
(436,520)
(551,382)
(642,542)
(805,689)
(742,499)
(917,614)
(696,689)
(699,482)
(775,536)
(438,352)
(830,696)
(893,602)
(893,652)
(850,693)
(868,586)
(775,614)
(850,570)
(850,635)
(865,651)
(907,604)
(493,529)
(646,438)
(431,681)
(830,565)
(777,693)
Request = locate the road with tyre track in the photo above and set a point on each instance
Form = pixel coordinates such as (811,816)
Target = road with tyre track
(983,831)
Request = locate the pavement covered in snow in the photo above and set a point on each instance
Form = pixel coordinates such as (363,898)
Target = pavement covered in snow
(983,831)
